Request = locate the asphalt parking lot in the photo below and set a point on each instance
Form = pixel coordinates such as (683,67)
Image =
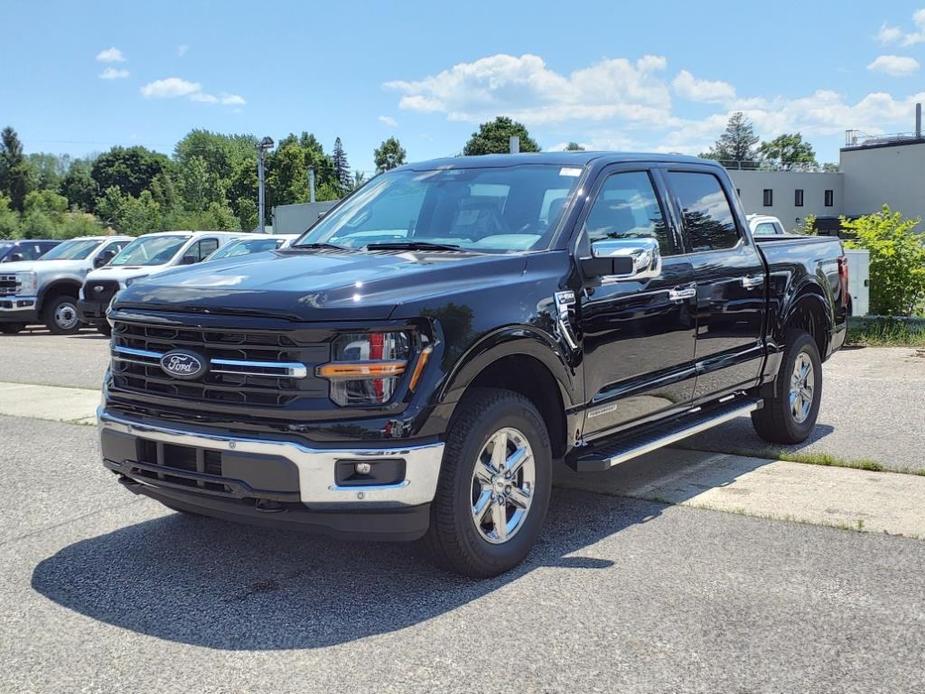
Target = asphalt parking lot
(104,591)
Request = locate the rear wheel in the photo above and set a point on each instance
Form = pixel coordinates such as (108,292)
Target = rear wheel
(61,316)
(11,328)
(494,485)
(790,416)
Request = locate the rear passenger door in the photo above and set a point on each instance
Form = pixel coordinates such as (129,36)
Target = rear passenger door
(638,334)
(730,274)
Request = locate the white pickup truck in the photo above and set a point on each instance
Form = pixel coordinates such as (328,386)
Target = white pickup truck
(46,290)
(146,255)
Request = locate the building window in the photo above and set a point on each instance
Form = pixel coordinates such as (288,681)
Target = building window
(798,197)
(829,198)
(768,197)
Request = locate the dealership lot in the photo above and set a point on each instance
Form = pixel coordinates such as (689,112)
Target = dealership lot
(104,591)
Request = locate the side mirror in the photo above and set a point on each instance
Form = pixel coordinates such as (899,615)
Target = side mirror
(188,260)
(103,258)
(624,259)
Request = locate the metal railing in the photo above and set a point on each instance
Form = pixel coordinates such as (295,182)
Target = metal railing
(856,138)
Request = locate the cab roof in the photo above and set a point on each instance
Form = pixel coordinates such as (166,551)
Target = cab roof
(550,158)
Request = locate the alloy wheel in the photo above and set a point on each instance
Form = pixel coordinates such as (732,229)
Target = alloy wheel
(802,388)
(503,483)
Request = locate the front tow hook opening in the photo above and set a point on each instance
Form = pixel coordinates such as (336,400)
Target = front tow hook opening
(268,506)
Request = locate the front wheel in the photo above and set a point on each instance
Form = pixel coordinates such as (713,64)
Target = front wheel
(790,416)
(494,485)
(61,316)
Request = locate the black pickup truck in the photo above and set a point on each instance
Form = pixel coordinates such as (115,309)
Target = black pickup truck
(413,365)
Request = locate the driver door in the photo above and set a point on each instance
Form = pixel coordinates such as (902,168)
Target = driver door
(639,335)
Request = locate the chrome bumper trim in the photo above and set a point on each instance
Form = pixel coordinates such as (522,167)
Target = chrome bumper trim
(317,487)
(226,366)
(15,299)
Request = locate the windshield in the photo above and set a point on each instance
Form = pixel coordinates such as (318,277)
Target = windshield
(495,210)
(246,247)
(150,250)
(72,250)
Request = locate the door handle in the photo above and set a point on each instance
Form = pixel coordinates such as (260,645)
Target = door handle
(683,293)
(752,282)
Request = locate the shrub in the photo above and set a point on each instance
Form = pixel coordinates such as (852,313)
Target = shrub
(897,260)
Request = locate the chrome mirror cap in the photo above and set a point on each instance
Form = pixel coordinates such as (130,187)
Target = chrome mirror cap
(630,258)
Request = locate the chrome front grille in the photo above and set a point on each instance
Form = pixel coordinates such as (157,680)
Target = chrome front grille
(8,285)
(253,368)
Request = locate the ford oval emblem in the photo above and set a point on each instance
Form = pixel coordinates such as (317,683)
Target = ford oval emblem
(183,365)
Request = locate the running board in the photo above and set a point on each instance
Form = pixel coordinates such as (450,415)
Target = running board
(605,455)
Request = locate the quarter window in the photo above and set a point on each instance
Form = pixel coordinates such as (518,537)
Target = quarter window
(627,207)
(708,218)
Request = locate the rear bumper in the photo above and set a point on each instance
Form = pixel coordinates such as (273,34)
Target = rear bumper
(274,482)
(19,309)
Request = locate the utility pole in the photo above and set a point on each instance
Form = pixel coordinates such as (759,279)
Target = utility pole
(514,144)
(311,184)
(265,145)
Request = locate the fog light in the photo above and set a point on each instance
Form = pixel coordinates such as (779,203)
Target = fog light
(363,468)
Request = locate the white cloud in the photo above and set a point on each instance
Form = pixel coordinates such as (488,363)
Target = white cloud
(110,55)
(893,34)
(895,65)
(112,73)
(526,89)
(689,87)
(170,88)
(389,121)
(175,87)
(181,50)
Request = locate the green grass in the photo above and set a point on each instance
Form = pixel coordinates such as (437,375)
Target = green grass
(830,460)
(886,332)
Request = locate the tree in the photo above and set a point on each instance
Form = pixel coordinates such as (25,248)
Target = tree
(342,177)
(787,150)
(9,220)
(389,154)
(359,178)
(737,143)
(574,147)
(79,187)
(48,169)
(897,260)
(15,172)
(198,185)
(130,169)
(247,214)
(494,137)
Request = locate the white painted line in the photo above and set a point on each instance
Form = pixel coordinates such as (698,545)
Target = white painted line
(841,497)
(58,404)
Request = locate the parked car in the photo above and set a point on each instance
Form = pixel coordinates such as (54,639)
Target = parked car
(414,363)
(254,243)
(765,225)
(146,255)
(25,249)
(46,290)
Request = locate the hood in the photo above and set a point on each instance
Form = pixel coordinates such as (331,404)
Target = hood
(43,266)
(318,285)
(124,272)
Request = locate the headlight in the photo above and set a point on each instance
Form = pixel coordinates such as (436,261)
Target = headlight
(365,367)
(27,283)
(131,280)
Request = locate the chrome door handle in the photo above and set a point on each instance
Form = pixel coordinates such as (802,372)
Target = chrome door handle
(752,282)
(682,293)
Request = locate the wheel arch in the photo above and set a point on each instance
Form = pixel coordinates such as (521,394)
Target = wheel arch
(810,311)
(64,285)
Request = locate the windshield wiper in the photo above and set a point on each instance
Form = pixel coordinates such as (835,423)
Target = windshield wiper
(316,246)
(412,246)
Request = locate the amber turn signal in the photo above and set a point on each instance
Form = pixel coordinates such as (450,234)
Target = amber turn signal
(419,367)
(358,370)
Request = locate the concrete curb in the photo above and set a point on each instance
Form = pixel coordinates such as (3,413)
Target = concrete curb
(838,497)
(74,405)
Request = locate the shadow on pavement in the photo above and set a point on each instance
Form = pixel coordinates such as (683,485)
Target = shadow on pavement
(220,585)
(739,437)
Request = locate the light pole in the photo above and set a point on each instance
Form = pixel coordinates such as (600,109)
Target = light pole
(265,145)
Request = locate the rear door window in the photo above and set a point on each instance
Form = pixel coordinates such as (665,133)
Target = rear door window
(706,211)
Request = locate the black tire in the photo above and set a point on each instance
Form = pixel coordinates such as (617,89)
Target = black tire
(53,319)
(11,328)
(776,421)
(103,328)
(453,539)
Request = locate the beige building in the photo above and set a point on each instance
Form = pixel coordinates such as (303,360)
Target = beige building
(872,170)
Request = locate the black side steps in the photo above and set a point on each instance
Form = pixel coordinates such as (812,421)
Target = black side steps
(605,454)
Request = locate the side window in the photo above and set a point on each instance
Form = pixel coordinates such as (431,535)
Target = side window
(627,207)
(115,247)
(765,229)
(201,249)
(708,218)
(29,251)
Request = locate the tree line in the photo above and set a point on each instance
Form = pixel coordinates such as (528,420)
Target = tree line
(209,182)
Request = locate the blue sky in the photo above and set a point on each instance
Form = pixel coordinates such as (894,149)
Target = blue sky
(81,77)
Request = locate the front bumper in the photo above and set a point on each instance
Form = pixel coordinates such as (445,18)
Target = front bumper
(19,309)
(92,311)
(272,482)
